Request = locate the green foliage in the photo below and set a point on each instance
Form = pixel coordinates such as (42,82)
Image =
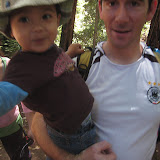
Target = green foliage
(85,24)
(9,47)
(57,41)
(84,28)
(145,31)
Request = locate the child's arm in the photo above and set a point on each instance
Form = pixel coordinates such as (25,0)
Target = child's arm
(10,95)
(74,50)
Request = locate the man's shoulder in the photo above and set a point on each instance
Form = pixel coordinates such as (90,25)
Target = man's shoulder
(151,53)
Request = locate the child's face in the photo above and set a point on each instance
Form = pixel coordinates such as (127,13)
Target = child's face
(35,28)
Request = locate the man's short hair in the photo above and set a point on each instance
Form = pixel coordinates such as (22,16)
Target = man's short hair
(150,1)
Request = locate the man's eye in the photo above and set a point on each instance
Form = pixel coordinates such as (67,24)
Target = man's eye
(134,3)
(112,3)
(24,19)
(46,16)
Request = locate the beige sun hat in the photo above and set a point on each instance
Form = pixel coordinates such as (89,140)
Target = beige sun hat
(7,6)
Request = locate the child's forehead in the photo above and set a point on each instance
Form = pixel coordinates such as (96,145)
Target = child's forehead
(27,9)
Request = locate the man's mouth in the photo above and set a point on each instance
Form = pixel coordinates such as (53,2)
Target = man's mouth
(122,31)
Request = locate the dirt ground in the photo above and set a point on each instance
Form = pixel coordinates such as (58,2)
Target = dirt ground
(38,154)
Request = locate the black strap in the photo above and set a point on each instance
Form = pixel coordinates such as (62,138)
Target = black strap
(98,58)
(150,57)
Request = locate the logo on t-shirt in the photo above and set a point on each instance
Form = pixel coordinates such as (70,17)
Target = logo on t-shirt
(153,95)
(63,64)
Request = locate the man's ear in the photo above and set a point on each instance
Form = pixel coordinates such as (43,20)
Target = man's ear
(100,7)
(58,19)
(152,10)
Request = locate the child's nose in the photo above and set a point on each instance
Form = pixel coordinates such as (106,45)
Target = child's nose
(37,26)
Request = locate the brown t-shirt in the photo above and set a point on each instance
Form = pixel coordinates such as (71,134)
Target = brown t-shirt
(55,87)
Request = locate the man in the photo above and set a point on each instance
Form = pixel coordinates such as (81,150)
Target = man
(125,82)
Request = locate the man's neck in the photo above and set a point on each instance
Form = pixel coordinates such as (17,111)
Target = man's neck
(123,56)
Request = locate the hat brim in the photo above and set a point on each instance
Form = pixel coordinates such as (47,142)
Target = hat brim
(66,7)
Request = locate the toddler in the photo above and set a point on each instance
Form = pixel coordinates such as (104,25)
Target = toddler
(42,75)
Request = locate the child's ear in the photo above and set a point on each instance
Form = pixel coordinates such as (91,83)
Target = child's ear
(152,10)
(11,34)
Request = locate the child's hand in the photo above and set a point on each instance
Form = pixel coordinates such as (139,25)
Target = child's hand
(74,50)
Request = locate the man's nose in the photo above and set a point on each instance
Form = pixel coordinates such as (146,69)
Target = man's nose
(122,14)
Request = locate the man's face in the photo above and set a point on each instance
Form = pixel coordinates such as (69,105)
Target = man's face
(124,20)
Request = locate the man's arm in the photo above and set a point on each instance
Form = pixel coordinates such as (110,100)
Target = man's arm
(98,151)
(29,114)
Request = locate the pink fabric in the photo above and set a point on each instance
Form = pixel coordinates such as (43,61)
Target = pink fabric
(25,109)
(9,117)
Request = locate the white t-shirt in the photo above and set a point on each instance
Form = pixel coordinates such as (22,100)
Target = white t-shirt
(126,110)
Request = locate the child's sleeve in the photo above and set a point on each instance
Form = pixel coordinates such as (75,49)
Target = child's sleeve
(28,72)
(10,95)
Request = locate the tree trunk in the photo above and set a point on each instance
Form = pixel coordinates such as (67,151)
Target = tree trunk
(96,26)
(67,30)
(154,33)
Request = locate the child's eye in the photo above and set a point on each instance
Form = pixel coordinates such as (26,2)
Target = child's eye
(24,19)
(46,16)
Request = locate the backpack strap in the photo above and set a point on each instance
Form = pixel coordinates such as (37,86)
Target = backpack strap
(157,54)
(152,58)
(99,57)
(84,62)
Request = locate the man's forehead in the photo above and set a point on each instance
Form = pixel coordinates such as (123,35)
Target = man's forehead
(126,0)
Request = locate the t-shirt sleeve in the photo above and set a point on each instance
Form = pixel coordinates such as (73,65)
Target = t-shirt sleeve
(27,72)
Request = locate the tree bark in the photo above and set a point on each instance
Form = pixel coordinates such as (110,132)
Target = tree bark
(154,32)
(96,26)
(67,30)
